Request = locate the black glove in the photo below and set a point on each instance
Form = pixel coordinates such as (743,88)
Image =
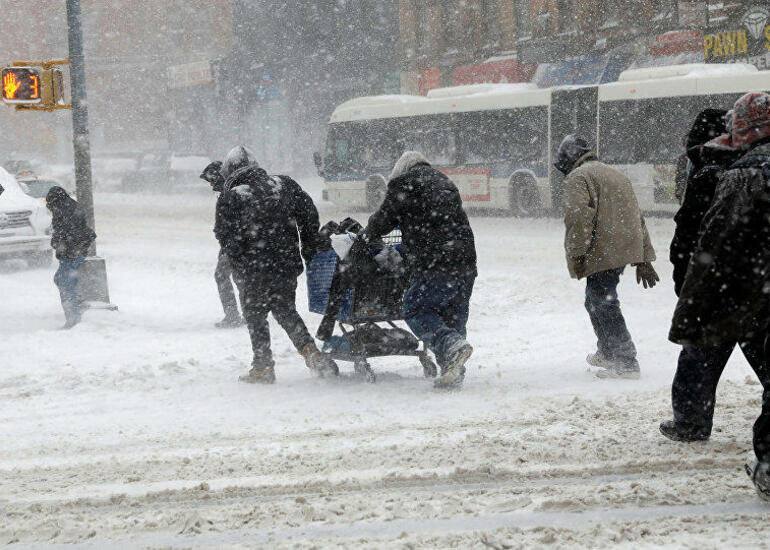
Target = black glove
(646,275)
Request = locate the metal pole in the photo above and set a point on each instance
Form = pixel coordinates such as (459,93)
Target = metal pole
(81,141)
(93,276)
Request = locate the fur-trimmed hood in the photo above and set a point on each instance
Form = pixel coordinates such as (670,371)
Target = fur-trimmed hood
(408,160)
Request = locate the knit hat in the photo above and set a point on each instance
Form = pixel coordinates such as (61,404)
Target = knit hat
(751,121)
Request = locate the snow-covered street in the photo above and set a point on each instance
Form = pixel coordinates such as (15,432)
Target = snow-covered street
(132,429)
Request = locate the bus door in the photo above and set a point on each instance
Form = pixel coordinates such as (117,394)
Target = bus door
(573,111)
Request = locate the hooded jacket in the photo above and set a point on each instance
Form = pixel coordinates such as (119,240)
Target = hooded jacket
(709,161)
(260,220)
(71,237)
(725,291)
(605,228)
(426,206)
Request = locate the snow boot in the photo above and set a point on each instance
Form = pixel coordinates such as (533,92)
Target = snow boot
(265,375)
(620,371)
(759,473)
(598,360)
(678,432)
(230,321)
(319,362)
(453,376)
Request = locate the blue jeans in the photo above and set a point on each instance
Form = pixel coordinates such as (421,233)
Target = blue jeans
(66,279)
(436,308)
(603,306)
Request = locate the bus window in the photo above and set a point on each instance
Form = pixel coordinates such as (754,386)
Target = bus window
(620,122)
(434,138)
(518,137)
(383,144)
(344,150)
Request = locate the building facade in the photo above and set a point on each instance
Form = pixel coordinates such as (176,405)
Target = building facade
(558,42)
(140,96)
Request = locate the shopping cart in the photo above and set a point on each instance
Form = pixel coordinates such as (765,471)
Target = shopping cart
(360,305)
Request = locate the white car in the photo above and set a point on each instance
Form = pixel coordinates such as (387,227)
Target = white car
(25,224)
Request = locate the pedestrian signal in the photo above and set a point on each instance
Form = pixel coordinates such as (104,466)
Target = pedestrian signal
(21,85)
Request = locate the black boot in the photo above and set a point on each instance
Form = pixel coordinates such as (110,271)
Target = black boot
(685,434)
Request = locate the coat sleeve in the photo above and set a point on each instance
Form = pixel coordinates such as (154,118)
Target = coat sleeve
(580,209)
(386,218)
(649,251)
(306,215)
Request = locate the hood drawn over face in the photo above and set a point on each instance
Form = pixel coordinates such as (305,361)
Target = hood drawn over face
(213,174)
(58,199)
(408,160)
(238,157)
(571,150)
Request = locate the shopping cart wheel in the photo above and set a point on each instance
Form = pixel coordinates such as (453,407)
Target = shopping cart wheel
(362,367)
(429,368)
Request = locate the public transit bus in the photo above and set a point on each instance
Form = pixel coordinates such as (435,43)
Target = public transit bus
(497,141)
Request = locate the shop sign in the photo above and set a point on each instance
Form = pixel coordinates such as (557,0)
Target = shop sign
(267,89)
(676,43)
(748,44)
(191,74)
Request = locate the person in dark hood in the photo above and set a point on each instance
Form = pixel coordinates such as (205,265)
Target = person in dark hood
(71,239)
(440,254)
(224,272)
(693,392)
(605,232)
(724,297)
(260,223)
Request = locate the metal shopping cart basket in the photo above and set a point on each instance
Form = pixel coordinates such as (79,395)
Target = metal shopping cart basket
(360,304)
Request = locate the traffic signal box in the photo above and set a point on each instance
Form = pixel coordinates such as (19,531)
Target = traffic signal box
(33,88)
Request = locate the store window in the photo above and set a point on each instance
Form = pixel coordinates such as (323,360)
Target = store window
(491,20)
(567,19)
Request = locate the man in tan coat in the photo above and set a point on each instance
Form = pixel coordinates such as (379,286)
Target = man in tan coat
(605,233)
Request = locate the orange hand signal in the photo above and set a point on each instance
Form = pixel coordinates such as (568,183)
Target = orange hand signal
(10,85)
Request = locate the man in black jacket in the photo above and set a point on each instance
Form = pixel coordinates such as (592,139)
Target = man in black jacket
(224,272)
(71,239)
(724,296)
(440,253)
(693,392)
(260,221)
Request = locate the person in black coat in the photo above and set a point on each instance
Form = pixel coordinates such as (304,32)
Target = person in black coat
(693,392)
(224,273)
(261,221)
(440,255)
(71,239)
(725,293)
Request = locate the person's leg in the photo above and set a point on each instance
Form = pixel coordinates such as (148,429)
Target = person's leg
(592,289)
(693,392)
(284,308)
(753,349)
(225,287)
(255,310)
(762,431)
(456,313)
(424,303)
(66,279)
(604,307)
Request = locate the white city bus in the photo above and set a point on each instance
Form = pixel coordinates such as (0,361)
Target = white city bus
(490,139)
(496,141)
(645,116)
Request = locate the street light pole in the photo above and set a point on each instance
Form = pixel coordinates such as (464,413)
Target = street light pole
(81,140)
(93,278)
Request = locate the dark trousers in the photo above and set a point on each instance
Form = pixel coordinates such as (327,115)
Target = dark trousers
(278,297)
(614,341)
(762,425)
(436,308)
(693,393)
(66,278)
(223,275)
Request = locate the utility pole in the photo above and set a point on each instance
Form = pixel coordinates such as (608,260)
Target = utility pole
(94,275)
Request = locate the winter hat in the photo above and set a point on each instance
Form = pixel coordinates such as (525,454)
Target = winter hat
(213,174)
(408,160)
(751,121)
(709,124)
(57,198)
(238,157)
(571,150)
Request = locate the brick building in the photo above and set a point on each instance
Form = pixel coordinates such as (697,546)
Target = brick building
(130,48)
(557,42)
